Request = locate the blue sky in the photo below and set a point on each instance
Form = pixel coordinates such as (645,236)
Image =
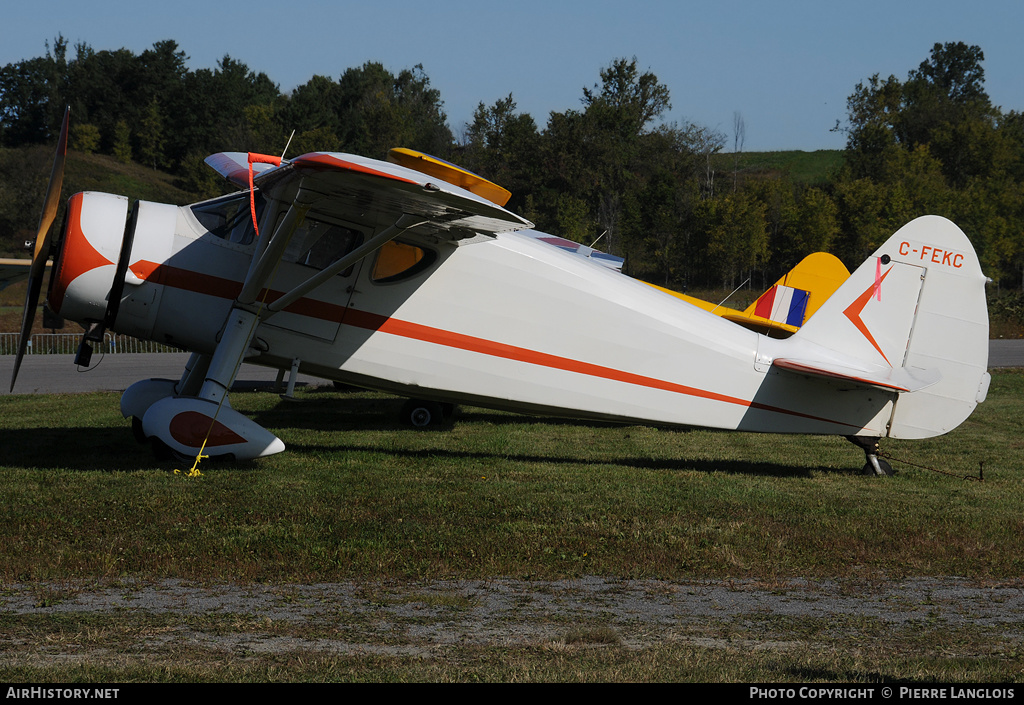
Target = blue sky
(787,66)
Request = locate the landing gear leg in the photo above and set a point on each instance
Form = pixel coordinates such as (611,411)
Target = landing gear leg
(874,464)
(205,423)
(194,375)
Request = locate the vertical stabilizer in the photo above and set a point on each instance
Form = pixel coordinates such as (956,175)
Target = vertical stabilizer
(916,307)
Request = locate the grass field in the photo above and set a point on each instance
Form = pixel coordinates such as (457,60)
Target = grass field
(358,500)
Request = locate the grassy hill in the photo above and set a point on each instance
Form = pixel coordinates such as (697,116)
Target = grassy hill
(807,168)
(25,172)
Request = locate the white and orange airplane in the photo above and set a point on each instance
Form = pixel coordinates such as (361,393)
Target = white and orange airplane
(408,276)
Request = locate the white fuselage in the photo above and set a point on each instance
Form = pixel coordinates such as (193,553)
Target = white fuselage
(505,322)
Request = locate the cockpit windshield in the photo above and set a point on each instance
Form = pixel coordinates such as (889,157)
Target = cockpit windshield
(230,218)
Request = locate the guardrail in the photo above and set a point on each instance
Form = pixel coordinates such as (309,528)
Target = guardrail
(67,344)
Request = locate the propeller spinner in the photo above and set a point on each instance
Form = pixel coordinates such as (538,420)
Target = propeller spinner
(43,241)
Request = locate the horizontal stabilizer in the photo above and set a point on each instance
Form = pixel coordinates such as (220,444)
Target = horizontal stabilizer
(899,379)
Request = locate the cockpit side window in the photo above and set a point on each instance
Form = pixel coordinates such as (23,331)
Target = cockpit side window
(230,218)
(318,244)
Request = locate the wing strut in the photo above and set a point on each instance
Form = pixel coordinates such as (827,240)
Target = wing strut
(404,222)
(271,249)
(241,323)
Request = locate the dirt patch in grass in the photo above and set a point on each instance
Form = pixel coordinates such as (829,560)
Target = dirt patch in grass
(55,623)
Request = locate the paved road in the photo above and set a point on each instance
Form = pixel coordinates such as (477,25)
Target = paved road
(1005,353)
(51,374)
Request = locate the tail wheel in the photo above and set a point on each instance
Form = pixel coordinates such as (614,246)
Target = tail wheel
(884,468)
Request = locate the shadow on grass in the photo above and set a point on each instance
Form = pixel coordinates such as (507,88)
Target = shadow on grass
(114,449)
(737,467)
(86,449)
(75,448)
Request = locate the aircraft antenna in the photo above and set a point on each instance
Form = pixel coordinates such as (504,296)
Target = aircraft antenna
(287,145)
(730,294)
(598,238)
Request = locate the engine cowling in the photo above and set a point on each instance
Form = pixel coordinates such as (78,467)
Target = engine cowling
(86,265)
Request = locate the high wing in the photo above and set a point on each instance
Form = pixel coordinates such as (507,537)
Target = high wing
(235,166)
(358,184)
(381,200)
(384,198)
(342,183)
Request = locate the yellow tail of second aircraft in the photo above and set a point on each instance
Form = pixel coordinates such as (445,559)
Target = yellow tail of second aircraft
(790,302)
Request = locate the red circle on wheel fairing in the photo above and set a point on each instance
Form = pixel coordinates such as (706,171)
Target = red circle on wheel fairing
(190,428)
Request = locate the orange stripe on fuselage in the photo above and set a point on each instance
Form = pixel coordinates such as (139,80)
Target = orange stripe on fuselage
(438,336)
(226,288)
(211,285)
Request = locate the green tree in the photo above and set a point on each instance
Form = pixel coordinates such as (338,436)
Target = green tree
(992,212)
(378,111)
(122,142)
(33,95)
(162,71)
(150,135)
(627,100)
(84,138)
(313,106)
(814,224)
(941,105)
(935,144)
(736,235)
(873,111)
(573,220)
(213,116)
(502,145)
(595,154)
(104,91)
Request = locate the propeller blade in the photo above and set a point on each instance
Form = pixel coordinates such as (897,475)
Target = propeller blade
(42,248)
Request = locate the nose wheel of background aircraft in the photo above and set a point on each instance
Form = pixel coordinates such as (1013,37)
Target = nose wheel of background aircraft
(421,414)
